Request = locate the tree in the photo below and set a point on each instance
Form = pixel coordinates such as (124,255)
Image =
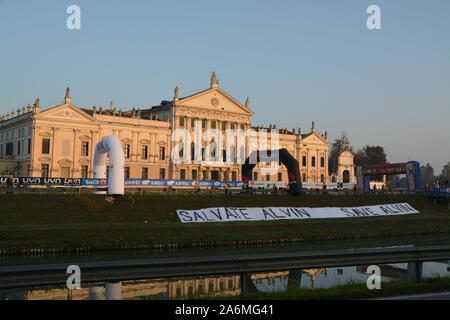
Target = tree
(370,155)
(444,177)
(427,174)
(340,145)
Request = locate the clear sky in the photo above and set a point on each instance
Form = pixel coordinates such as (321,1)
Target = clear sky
(298,61)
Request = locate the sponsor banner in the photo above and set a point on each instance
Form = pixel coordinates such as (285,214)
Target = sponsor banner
(305,185)
(288,213)
(26,181)
(164,183)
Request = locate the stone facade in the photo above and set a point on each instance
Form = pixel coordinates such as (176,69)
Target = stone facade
(346,168)
(60,141)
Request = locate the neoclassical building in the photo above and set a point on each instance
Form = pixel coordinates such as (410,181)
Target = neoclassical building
(60,141)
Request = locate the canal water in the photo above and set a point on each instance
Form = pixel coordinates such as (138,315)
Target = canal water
(231,284)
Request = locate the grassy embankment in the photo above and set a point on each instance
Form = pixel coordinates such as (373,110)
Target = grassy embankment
(347,291)
(56,222)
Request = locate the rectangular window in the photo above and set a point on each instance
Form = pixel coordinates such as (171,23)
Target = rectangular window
(205,175)
(193,123)
(232,126)
(194,174)
(204,124)
(18,148)
(304,177)
(1,150)
(255,176)
(313,161)
(182,174)
(224,126)
(126,172)
(45,146)
(322,162)
(304,161)
(144,152)
(267,177)
(162,173)
(242,127)
(44,170)
(181,121)
(84,148)
(84,171)
(162,153)
(29,146)
(280,176)
(322,178)
(144,173)
(224,155)
(126,151)
(213,124)
(9,148)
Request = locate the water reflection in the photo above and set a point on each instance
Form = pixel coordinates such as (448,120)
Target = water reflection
(174,288)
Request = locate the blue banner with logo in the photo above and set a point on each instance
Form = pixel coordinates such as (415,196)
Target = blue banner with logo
(26,181)
(165,183)
(96,183)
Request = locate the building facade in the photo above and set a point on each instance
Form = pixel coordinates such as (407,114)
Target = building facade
(60,141)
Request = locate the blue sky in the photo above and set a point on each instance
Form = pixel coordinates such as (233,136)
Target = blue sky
(298,61)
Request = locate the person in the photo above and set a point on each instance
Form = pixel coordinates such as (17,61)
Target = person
(354,189)
(227,189)
(288,187)
(10,184)
(196,188)
(274,189)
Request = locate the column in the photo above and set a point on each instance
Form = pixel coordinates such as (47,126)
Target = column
(76,154)
(113,291)
(53,165)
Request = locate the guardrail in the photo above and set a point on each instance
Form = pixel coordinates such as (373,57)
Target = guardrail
(113,271)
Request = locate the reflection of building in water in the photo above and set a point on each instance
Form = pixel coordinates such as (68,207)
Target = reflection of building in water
(164,289)
(314,273)
(387,271)
(157,288)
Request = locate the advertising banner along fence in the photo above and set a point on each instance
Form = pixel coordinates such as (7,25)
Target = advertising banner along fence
(287,213)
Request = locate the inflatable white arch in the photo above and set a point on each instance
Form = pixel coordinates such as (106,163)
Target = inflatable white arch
(110,146)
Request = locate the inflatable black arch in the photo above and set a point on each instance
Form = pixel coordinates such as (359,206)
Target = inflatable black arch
(295,182)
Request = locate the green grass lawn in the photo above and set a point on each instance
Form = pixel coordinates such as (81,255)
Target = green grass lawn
(65,223)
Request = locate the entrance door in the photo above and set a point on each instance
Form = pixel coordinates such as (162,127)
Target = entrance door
(214,175)
(346,176)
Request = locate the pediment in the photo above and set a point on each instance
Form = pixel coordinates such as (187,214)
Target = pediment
(215,100)
(65,112)
(65,161)
(315,138)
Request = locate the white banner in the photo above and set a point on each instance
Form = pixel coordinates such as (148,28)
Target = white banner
(288,213)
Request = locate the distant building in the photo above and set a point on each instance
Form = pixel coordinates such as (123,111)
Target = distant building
(59,141)
(346,167)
